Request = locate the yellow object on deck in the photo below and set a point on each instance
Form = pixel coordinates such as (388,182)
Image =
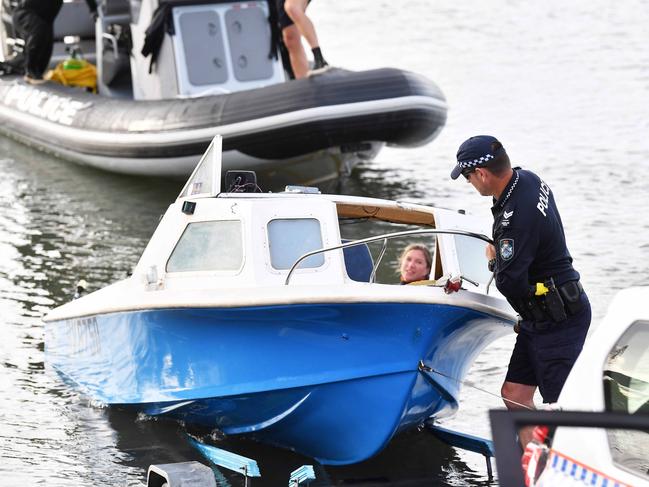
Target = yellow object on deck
(78,73)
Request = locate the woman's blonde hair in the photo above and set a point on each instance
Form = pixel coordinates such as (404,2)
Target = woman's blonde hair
(416,246)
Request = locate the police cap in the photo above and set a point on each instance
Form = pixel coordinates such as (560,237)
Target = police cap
(476,151)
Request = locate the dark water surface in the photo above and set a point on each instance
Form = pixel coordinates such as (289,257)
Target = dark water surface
(565,86)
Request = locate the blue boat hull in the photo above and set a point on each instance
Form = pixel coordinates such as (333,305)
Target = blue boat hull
(332,381)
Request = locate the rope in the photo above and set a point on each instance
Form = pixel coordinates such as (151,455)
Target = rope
(425,368)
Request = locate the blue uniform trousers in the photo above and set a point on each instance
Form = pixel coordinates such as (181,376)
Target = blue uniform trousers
(546,351)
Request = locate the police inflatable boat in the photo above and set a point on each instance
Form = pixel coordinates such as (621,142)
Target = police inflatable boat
(211,68)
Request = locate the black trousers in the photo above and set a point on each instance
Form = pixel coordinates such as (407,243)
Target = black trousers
(37,30)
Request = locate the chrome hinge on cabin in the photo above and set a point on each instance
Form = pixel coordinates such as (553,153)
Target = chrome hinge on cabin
(152,281)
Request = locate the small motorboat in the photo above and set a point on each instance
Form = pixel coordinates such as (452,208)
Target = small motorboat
(217,72)
(254,314)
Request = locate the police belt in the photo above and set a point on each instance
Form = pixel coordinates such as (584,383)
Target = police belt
(556,305)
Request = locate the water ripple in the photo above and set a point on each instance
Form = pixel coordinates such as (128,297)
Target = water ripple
(564,85)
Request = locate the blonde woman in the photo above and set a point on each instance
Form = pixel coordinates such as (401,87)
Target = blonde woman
(415,263)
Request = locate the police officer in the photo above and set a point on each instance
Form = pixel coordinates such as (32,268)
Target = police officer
(33,21)
(533,271)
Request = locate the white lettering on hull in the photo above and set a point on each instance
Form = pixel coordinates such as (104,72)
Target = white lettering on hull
(55,108)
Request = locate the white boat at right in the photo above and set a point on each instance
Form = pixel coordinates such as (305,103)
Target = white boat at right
(599,433)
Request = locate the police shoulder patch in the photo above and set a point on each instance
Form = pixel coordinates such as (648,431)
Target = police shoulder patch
(506,247)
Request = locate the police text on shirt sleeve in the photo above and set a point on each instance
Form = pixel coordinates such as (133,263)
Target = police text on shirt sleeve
(529,237)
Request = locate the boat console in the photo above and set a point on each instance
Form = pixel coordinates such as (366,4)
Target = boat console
(200,48)
(238,54)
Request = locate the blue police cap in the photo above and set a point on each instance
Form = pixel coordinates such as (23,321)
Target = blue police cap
(477,151)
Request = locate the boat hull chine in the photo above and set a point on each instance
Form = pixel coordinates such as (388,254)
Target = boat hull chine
(329,422)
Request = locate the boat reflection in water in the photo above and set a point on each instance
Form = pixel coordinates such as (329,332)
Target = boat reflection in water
(246,314)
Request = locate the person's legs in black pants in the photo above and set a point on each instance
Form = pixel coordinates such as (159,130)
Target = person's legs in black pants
(39,40)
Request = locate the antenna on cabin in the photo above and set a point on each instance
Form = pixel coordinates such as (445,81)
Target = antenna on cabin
(205,181)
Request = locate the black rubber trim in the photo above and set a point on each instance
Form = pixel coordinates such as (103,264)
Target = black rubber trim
(407,127)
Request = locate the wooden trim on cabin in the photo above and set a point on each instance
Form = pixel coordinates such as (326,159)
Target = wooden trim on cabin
(392,214)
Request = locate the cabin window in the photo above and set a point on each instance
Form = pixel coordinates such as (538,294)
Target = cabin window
(626,390)
(471,257)
(208,246)
(289,239)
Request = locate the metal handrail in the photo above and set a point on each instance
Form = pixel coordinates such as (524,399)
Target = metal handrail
(384,247)
(385,237)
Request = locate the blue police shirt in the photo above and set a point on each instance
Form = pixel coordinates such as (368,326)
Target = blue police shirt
(529,238)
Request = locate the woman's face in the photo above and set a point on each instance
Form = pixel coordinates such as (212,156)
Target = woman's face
(414,266)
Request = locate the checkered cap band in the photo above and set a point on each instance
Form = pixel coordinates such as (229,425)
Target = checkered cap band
(475,162)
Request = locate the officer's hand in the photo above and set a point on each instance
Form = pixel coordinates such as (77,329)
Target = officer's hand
(517,325)
(490,252)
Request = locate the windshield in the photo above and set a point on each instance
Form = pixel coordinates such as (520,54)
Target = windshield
(472,259)
(208,246)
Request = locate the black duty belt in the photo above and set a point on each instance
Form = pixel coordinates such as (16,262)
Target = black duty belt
(556,305)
